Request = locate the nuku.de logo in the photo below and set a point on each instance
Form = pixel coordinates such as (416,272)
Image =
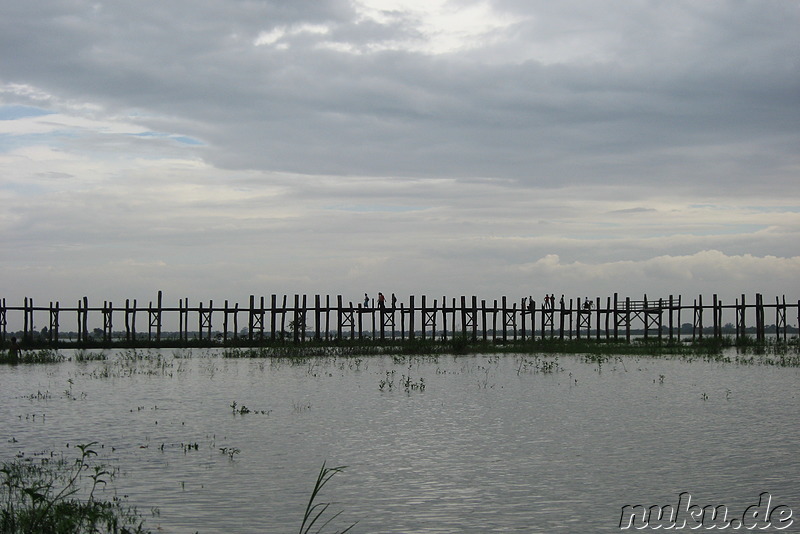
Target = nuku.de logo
(686,515)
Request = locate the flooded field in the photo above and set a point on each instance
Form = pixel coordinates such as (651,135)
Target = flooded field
(447,444)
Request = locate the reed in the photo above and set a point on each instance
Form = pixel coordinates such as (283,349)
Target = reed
(315,510)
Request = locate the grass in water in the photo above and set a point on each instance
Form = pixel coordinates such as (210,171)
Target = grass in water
(315,510)
(46,497)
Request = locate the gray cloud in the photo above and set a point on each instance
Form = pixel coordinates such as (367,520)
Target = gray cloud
(276,135)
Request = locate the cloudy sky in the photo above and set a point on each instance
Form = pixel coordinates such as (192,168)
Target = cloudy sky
(224,148)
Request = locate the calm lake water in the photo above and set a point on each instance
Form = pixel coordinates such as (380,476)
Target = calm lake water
(491,444)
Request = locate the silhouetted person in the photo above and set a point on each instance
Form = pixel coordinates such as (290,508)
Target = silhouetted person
(14,350)
(394,301)
(366,300)
(381,300)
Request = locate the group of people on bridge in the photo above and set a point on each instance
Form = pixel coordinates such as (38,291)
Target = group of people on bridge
(381,301)
(549,302)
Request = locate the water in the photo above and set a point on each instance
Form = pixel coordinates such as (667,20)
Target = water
(491,444)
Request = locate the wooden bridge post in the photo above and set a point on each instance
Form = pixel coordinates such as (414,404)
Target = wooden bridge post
(616,316)
(547,313)
(251,312)
(273,305)
(25,320)
(372,317)
(514,319)
(571,321)
(340,315)
(464,314)
(671,324)
(382,319)
(133,322)
(181,312)
(149,320)
(424,310)
(453,311)
(158,317)
(236,321)
(53,329)
(598,318)
(739,318)
(210,313)
(200,316)
(303,318)
(80,323)
(317,318)
(361,312)
(628,319)
(444,318)
(327,317)
(429,317)
(3,320)
(698,317)
(402,322)
(759,310)
(474,317)
(225,312)
(483,318)
(505,318)
(645,306)
(494,321)
(107,311)
(296,320)
(85,318)
(283,318)
(411,317)
(780,317)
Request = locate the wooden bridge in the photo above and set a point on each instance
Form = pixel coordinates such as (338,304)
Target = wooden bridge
(300,320)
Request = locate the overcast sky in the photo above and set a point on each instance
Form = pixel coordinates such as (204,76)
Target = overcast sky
(224,148)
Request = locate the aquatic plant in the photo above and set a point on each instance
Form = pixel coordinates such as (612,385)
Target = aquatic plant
(241,409)
(230,452)
(315,510)
(34,356)
(43,497)
(388,382)
(83,355)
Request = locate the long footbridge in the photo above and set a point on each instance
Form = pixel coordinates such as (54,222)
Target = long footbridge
(301,319)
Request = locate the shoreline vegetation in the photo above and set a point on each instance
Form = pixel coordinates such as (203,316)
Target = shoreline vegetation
(772,351)
(47,493)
